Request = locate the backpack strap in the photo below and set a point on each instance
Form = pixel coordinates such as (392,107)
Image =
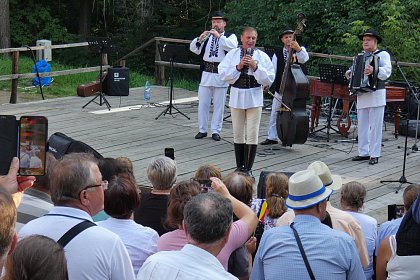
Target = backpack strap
(74,231)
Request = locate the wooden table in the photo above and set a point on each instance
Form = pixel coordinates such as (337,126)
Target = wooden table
(320,89)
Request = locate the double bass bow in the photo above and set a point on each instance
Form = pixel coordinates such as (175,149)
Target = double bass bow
(292,120)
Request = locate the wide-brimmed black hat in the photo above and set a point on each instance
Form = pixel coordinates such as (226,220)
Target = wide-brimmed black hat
(286,30)
(371,32)
(219,15)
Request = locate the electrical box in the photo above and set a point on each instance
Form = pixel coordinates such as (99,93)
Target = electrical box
(45,54)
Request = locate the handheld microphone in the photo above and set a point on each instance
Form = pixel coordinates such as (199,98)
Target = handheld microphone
(248,51)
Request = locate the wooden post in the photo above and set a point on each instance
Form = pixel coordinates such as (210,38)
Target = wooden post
(15,70)
(159,69)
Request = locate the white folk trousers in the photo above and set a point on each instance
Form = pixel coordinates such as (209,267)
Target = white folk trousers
(369,130)
(272,127)
(205,95)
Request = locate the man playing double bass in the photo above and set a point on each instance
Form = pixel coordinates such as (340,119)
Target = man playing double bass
(279,58)
(371,105)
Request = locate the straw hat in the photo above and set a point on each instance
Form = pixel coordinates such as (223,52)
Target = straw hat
(305,190)
(329,180)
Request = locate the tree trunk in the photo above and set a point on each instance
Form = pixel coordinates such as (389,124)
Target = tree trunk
(4,24)
(85,18)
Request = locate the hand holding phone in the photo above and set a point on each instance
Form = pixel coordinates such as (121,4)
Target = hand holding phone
(8,142)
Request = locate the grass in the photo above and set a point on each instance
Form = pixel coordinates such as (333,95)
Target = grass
(67,85)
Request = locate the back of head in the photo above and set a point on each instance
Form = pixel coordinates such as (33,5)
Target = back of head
(208,217)
(70,175)
(109,168)
(208,170)
(37,257)
(162,173)
(126,165)
(121,197)
(7,222)
(180,194)
(353,194)
(239,186)
(410,194)
(276,186)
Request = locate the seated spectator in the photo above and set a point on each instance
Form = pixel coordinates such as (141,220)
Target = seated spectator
(121,198)
(391,227)
(37,257)
(7,224)
(152,211)
(204,173)
(340,220)
(238,235)
(126,165)
(77,190)
(353,195)
(269,209)
(331,254)
(207,220)
(399,255)
(36,201)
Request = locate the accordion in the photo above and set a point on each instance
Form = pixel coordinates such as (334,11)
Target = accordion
(359,82)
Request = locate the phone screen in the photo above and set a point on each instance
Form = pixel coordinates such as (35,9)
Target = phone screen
(8,142)
(170,153)
(32,145)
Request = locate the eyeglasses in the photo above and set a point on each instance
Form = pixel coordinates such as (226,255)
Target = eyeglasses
(103,184)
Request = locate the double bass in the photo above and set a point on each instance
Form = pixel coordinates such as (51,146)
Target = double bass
(292,120)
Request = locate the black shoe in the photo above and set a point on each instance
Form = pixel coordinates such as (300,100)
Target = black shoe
(269,142)
(373,160)
(201,135)
(216,137)
(360,158)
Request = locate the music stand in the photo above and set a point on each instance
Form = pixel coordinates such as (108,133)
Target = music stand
(100,45)
(332,74)
(172,53)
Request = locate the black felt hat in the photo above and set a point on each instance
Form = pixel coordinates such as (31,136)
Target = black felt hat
(371,32)
(286,30)
(219,15)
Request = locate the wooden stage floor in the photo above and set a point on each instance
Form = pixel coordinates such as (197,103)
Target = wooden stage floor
(130,130)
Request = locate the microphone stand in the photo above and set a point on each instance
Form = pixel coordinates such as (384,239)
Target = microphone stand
(403,179)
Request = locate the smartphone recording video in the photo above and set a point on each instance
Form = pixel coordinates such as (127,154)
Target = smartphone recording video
(170,153)
(33,133)
(8,142)
(205,185)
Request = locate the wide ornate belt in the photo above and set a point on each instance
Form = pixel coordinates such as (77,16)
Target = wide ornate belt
(210,66)
(246,81)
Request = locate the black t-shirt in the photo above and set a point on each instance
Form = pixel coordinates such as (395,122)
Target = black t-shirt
(152,212)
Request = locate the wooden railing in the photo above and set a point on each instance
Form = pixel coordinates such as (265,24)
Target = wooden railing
(160,65)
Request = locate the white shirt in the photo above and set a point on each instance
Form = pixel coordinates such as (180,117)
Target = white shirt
(94,254)
(214,53)
(245,98)
(191,262)
(377,98)
(301,56)
(140,241)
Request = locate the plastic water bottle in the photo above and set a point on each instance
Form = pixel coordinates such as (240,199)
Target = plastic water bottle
(147,91)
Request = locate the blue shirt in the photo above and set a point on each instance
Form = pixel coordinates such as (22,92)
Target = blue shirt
(387,229)
(331,254)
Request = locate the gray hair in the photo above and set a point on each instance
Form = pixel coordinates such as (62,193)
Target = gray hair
(208,216)
(353,194)
(162,173)
(71,174)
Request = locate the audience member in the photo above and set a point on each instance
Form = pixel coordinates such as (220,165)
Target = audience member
(126,165)
(152,211)
(15,184)
(207,221)
(36,257)
(391,227)
(239,232)
(121,198)
(77,190)
(36,201)
(271,208)
(353,195)
(204,173)
(330,254)
(7,224)
(341,220)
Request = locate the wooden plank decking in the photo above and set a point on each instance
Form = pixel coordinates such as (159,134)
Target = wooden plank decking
(131,130)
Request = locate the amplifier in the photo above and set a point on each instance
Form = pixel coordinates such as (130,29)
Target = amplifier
(118,81)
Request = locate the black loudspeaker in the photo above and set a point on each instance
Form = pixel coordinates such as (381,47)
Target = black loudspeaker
(261,181)
(118,81)
(60,144)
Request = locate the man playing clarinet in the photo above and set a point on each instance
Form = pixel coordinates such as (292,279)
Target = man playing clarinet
(212,46)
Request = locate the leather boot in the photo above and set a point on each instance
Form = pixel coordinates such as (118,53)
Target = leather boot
(250,152)
(239,155)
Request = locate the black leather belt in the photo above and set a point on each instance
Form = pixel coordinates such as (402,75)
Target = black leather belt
(246,81)
(210,66)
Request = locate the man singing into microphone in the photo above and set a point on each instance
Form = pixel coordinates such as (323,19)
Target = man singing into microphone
(248,70)
(212,46)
